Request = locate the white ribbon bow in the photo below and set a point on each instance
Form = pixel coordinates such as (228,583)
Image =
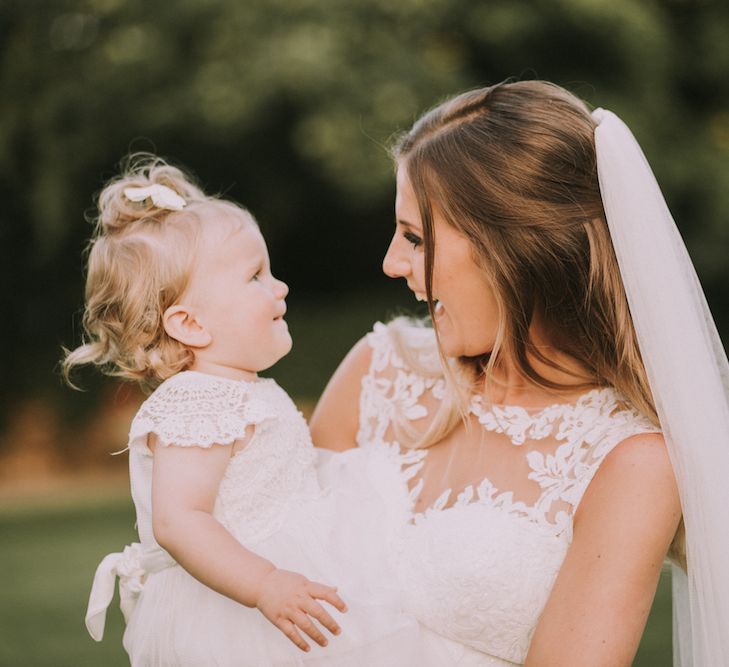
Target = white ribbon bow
(132,567)
(128,568)
(161,196)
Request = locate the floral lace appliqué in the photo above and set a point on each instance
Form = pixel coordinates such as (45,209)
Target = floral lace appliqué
(584,433)
(196,409)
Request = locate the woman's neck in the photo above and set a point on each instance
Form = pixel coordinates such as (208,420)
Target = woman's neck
(508,385)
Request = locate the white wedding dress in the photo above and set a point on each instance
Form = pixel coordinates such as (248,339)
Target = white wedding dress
(486,518)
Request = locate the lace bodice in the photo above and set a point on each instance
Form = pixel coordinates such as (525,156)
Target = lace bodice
(262,480)
(490,509)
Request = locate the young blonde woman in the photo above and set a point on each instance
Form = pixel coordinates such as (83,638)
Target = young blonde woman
(567,412)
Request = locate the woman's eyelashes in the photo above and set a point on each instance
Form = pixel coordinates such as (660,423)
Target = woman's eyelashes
(413,239)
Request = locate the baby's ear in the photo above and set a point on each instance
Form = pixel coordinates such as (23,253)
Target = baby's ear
(181,324)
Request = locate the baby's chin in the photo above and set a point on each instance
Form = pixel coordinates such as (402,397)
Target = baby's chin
(289,347)
(285,347)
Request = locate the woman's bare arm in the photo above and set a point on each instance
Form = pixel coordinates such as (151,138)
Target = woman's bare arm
(628,516)
(335,421)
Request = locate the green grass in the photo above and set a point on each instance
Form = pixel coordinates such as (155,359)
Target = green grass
(48,557)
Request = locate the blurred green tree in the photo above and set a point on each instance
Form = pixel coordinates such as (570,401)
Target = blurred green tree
(288,105)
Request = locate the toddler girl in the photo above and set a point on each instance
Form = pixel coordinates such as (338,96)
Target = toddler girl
(236,533)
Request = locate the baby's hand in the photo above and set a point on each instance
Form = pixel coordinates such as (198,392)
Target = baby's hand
(288,599)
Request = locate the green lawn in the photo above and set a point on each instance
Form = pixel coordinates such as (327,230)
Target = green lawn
(47,559)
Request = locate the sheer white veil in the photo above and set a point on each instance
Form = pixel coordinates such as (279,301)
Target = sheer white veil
(689,378)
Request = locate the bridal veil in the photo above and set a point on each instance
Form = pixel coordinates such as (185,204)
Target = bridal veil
(689,378)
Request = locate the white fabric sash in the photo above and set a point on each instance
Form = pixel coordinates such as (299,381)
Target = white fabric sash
(132,567)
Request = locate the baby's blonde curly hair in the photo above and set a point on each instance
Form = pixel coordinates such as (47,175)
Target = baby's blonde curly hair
(140,260)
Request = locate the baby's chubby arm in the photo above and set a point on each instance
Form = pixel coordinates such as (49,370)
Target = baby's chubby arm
(335,421)
(185,482)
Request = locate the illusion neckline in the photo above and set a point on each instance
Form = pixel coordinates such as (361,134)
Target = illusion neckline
(478,401)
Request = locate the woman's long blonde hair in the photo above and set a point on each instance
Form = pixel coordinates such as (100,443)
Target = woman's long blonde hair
(513,168)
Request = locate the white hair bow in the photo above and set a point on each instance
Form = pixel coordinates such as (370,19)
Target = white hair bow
(161,196)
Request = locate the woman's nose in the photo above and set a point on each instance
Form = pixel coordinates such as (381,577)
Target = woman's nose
(394,264)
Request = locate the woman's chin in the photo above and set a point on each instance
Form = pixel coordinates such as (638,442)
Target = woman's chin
(455,347)
(450,347)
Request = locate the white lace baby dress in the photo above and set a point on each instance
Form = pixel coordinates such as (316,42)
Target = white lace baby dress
(271,501)
(486,526)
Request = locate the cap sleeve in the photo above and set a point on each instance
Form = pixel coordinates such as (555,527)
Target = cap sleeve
(194,409)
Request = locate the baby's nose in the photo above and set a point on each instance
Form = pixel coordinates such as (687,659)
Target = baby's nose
(281,289)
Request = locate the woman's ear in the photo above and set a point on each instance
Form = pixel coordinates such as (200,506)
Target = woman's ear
(181,324)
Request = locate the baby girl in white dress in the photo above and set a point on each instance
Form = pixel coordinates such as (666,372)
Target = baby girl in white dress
(236,531)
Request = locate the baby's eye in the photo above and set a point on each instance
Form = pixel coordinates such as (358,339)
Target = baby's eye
(413,239)
(256,276)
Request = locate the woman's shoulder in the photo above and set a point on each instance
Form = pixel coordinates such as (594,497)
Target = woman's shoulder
(622,450)
(404,343)
(635,484)
(622,421)
(401,346)
(633,442)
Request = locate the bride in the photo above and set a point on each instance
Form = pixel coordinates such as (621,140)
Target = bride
(565,414)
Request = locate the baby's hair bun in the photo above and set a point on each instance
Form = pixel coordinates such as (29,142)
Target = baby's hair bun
(148,190)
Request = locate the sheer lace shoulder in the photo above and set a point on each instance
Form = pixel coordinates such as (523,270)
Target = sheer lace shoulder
(404,382)
(196,409)
(564,446)
(407,344)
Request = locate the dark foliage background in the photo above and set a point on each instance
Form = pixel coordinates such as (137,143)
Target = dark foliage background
(287,106)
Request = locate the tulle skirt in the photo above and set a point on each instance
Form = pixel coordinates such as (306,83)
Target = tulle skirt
(339,537)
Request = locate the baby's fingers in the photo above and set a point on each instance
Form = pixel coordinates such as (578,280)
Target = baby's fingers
(303,622)
(289,629)
(318,612)
(329,594)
